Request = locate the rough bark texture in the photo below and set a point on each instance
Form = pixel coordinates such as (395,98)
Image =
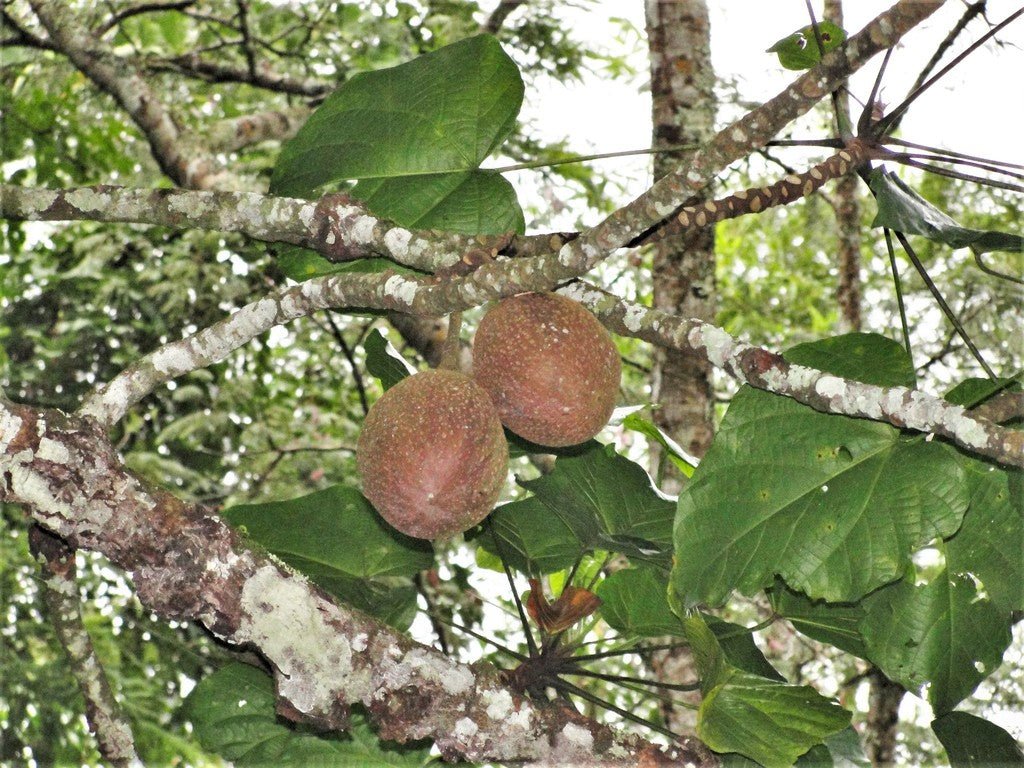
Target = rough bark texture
(60,596)
(847,212)
(761,368)
(683,111)
(188,564)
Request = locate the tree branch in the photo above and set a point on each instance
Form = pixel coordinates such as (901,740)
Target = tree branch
(147,6)
(189,565)
(499,14)
(758,367)
(23,36)
(194,65)
(240,132)
(337,227)
(749,133)
(761,368)
(60,593)
(172,150)
(343,229)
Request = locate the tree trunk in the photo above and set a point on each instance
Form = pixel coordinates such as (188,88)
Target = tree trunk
(683,111)
(683,108)
(883,718)
(847,211)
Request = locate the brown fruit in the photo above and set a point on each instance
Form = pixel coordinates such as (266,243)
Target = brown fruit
(432,454)
(550,367)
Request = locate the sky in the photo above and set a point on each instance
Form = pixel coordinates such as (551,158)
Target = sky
(978,109)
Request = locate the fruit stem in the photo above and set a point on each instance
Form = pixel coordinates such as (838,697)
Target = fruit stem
(451,352)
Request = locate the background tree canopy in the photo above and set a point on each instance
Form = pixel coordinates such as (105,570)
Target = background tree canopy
(230,226)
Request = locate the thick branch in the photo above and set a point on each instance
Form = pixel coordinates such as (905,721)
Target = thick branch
(181,162)
(189,565)
(761,368)
(342,229)
(337,227)
(60,592)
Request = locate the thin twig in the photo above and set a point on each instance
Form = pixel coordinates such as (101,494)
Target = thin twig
(139,9)
(60,591)
(972,10)
(357,375)
(941,301)
(888,123)
(898,285)
(938,170)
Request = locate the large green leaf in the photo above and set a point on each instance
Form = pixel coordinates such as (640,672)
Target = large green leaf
(990,544)
(941,633)
(902,209)
(441,112)
(867,357)
(765,720)
(834,505)
(233,713)
(413,138)
(336,538)
(972,742)
(634,602)
(760,718)
(593,500)
(473,202)
(837,624)
(421,130)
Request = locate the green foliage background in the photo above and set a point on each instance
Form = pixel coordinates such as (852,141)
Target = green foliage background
(278,419)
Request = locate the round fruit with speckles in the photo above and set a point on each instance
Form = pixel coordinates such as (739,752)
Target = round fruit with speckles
(432,454)
(550,367)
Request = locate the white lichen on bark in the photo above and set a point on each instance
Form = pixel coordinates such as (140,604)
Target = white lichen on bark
(280,617)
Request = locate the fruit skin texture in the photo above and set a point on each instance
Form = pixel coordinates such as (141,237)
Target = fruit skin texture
(432,454)
(550,367)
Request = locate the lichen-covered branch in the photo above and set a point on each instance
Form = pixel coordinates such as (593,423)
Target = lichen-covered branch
(788,189)
(60,593)
(761,368)
(187,564)
(336,226)
(425,296)
(343,229)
